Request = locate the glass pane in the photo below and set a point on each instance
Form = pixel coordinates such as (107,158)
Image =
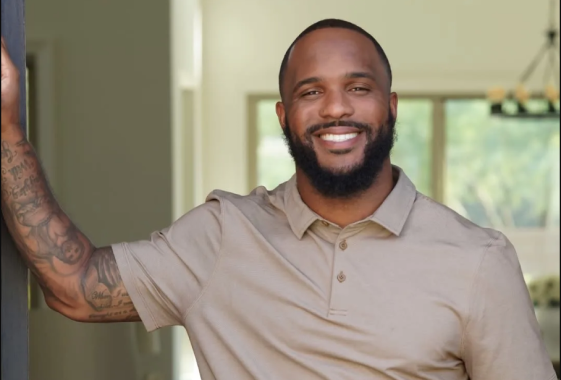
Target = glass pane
(274,163)
(503,173)
(412,151)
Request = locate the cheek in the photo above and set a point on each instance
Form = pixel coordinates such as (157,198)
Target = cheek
(302,116)
(370,110)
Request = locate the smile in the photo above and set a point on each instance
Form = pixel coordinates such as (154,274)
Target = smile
(338,137)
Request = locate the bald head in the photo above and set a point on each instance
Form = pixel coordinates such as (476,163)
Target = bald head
(337,32)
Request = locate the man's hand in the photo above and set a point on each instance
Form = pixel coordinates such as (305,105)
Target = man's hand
(10,92)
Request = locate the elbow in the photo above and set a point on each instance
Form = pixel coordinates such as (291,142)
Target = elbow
(56,305)
(69,310)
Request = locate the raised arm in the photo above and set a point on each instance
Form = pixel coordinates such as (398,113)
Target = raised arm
(78,280)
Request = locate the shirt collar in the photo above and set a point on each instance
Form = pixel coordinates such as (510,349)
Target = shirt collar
(392,213)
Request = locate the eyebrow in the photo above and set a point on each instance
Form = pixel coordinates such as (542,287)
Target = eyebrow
(353,75)
(306,81)
(361,75)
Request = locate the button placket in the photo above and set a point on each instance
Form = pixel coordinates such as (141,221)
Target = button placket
(339,284)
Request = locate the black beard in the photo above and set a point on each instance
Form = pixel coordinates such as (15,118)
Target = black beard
(347,182)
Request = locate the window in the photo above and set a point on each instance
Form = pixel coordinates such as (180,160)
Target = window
(501,173)
(504,174)
(274,164)
(413,148)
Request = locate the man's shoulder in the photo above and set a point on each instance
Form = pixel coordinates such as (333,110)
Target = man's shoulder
(447,225)
(220,206)
(258,198)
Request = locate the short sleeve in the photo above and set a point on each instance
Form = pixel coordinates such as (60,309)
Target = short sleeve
(167,273)
(502,337)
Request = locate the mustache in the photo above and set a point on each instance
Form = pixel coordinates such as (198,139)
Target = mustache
(363,127)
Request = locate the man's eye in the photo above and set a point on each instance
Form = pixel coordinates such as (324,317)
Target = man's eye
(311,93)
(358,89)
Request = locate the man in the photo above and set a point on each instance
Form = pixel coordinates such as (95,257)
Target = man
(343,272)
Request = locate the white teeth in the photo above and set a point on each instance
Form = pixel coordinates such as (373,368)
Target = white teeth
(338,138)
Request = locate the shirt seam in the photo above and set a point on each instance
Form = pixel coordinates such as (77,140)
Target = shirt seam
(471,299)
(223,203)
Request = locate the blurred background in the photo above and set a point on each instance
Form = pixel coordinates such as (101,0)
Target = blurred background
(140,108)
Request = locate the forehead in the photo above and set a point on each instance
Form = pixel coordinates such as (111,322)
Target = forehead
(332,52)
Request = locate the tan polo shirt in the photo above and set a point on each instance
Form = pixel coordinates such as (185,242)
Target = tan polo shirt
(268,290)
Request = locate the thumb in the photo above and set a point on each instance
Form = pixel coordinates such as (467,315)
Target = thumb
(7,65)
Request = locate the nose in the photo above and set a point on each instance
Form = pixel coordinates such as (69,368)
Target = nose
(336,106)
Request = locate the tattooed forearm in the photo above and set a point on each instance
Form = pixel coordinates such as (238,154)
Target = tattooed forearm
(102,283)
(7,153)
(104,289)
(40,228)
(69,268)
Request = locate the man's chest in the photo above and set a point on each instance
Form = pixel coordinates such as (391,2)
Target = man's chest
(352,298)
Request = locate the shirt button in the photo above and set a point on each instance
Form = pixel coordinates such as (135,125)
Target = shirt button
(325,223)
(343,245)
(341,277)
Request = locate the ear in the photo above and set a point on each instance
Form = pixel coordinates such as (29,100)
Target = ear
(281,114)
(393,104)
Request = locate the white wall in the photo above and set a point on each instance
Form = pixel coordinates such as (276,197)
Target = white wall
(186,54)
(112,114)
(433,45)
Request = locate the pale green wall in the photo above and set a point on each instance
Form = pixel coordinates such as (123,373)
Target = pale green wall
(113,160)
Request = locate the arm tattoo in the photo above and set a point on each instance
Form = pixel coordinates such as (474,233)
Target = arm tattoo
(68,267)
(7,153)
(38,225)
(104,289)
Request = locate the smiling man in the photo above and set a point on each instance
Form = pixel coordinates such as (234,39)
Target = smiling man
(343,272)
(338,116)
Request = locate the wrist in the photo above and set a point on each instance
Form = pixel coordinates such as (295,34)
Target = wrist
(12,132)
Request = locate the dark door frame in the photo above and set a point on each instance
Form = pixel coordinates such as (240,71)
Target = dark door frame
(13,272)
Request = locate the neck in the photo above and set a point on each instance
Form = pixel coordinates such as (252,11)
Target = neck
(343,212)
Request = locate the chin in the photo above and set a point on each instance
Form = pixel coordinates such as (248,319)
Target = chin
(337,165)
